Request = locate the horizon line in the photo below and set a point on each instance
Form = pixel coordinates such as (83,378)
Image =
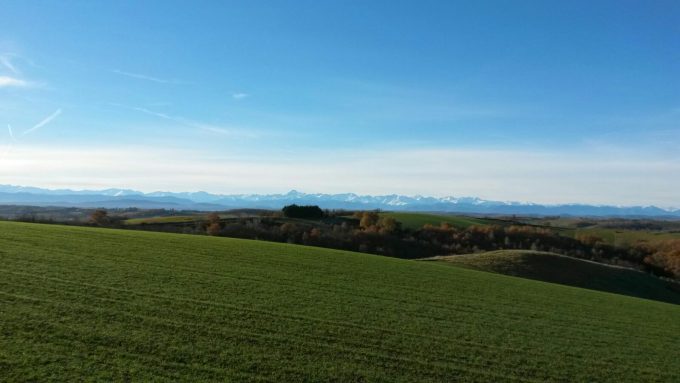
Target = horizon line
(670,209)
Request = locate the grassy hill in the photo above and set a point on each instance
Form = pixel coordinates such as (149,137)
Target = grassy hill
(418,220)
(555,268)
(96,304)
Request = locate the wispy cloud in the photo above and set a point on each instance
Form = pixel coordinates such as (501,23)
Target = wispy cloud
(9,59)
(223,131)
(157,114)
(215,129)
(7,81)
(44,122)
(12,76)
(6,61)
(239,96)
(148,78)
(11,133)
(626,178)
(228,132)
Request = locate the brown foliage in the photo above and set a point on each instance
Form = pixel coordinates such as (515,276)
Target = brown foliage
(665,256)
(99,217)
(388,225)
(213,218)
(213,228)
(589,239)
(368,219)
(213,224)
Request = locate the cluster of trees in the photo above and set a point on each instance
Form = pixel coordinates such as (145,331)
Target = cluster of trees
(303,212)
(379,236)
(664,256)
(371,232)
(525,237)
(372,222)
(374,233)
(101,217)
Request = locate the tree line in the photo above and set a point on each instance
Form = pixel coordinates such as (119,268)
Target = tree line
(372,232)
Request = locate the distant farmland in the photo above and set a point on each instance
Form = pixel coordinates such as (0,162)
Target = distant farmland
(113,305)
(165,219)
(618,237)
(415,221)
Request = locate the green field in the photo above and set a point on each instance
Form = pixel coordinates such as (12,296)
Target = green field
(416,221)
(84,304)
(555,268)
(181,218)
(622,238)
(164,219)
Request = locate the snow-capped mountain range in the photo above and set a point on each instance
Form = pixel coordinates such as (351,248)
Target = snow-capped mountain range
(123,198)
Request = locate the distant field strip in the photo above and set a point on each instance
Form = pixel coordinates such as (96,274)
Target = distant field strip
(95,304)
(618,237)
(416,221)
(164,219)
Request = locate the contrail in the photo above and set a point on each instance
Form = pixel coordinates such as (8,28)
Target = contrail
(151,112)
(44,122)
(7,148)
(144,77)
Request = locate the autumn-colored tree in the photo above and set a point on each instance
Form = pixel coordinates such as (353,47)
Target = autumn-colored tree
(666,256)
(388,225)
(368,219)
(288,227)
(588,239)
(213,229)
(213,218)
(445,226)
(315,233)
(213,225)
(99,217)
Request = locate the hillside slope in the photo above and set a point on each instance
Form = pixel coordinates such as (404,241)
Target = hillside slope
(555,268)
(79,303)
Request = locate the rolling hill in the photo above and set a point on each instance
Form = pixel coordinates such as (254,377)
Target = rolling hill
(564,270)
(115,305)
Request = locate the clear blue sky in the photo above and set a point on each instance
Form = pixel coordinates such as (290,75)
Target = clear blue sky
(547,101)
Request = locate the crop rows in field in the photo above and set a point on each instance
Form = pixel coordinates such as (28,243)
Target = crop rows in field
(119,305)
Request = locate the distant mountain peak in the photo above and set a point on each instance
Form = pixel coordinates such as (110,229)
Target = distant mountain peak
(200,200)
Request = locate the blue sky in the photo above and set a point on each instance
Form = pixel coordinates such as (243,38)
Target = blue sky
(540,101)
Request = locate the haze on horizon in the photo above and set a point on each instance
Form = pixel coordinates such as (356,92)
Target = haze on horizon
(548,102)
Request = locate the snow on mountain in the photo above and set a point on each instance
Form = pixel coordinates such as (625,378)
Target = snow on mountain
(22,195)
